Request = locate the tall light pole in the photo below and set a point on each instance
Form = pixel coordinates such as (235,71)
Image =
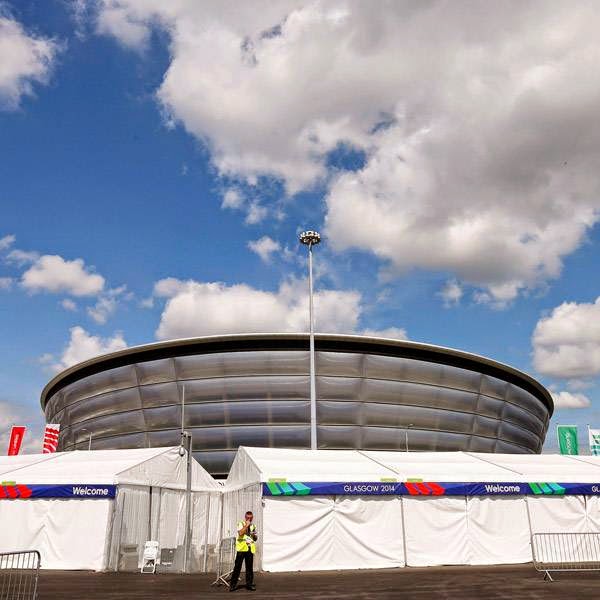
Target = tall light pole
(310,239)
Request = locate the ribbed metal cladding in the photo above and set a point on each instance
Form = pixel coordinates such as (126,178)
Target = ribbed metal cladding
(260,397)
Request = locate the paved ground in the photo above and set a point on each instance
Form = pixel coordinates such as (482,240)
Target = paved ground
(461,583)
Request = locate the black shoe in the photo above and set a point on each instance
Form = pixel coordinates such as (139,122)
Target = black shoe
(232,588)
(251,587)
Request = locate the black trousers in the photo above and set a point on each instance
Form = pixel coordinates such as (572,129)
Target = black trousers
(243,557)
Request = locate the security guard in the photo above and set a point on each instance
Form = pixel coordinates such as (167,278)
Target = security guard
(245,548)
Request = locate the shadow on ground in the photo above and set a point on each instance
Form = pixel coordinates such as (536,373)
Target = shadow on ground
(439,582)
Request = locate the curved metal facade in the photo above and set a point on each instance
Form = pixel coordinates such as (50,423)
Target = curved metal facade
(254,391)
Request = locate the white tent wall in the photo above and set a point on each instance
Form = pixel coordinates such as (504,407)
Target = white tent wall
(316,532)
(592,504)
(436,531)
(498,530)
(332,532)
(560,514)
(69,534)
(76,532)
(206,524)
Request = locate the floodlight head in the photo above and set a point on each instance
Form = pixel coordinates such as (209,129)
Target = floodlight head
(310,238)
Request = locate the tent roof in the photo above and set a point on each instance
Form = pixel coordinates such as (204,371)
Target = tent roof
(161,467)
(253,465)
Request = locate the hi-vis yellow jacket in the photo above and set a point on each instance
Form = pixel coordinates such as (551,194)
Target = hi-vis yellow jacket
(245,542)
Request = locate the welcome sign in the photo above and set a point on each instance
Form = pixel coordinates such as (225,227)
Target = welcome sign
(19,491)
(430,488)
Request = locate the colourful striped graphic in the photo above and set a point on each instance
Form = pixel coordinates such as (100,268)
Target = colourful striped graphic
(288,489)
(547,489)
(425,489)
(14,491)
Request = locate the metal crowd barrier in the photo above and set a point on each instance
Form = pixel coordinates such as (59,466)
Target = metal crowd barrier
(565,552)
(225,561)
(19,575)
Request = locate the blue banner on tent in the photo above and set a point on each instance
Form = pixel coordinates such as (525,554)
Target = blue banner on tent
(10,490)
(429,488)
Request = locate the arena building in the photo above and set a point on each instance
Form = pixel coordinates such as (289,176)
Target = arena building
(254,390)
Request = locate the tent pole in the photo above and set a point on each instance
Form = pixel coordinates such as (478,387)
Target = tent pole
(206,531)
(403,531)
(530,527)
(188,504)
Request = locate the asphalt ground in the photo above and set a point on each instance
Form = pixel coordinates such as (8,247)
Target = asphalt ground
(435,582)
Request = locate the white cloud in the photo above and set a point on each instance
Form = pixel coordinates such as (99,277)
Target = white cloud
(169,287)
(478,124)
(24,60)
(22,257)
(396,333)
(7,241)
(570,400)
(451,293)
(83,346)
(6,283)
(114,20)
(264,247)
(256,213)
(147,302)
(52,273)
(68,304)
(233,199)
(14,414)
(107,304)
(196,308)
(566,343)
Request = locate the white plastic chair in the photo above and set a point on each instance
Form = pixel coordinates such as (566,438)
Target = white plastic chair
(150,557)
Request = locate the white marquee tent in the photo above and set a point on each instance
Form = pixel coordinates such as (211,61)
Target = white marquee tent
(95,510)
(338,509)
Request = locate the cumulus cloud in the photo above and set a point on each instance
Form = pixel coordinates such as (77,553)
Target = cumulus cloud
(264,247)
(54,274)
(566,399)
(68,304)
(170,287)
(115,20)
(233,199)
(6,283)
(477,122)
(196,308)
(7,241)
(83,346)
(396,333)
(11,414)
(451,293)
(256,213)
(566,343)
(107,304)
(25,59)
(22,257)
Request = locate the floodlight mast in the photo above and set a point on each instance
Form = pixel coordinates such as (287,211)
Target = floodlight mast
(310,239)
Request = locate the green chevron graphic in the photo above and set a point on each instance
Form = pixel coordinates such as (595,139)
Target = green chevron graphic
(288,489)
(547,488)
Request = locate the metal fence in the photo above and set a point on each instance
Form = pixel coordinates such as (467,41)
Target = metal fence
(19,575)
(565,552)
(226,557)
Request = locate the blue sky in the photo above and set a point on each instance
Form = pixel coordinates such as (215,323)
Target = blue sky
(457,192)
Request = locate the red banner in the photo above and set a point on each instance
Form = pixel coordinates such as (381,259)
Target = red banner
(16,438)
(51,438)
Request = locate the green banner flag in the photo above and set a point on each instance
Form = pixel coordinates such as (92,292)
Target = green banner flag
(567,439)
